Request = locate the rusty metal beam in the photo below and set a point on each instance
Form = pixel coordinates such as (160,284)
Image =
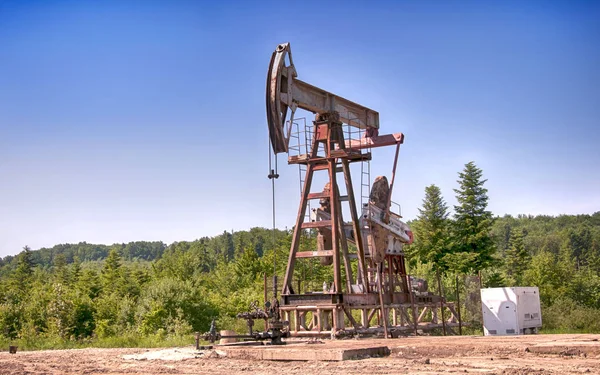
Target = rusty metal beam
(316,224)
(313,254)
(375,141)
(289,272)
(317,100)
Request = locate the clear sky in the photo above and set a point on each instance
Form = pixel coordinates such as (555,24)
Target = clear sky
(145,120)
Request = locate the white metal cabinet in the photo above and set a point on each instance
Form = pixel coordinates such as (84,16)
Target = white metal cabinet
(511,311)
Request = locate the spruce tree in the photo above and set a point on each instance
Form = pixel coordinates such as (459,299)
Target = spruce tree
(24,271)
(75,270)
(61,273)
(431,230)
(89,283)
(516,260)
(111,272)
(473,222)
(494,280)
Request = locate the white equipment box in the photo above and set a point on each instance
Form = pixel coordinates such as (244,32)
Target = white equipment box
(511,311)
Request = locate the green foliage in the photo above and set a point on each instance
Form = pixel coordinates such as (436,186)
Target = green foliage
(77,295)
(584,288)
(432,241)
(111,272)
(516,259)
(472,222)
(566,315)
(22,276)
(494,280)
(174,305)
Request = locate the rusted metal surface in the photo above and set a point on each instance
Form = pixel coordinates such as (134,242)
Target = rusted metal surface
(375,141)
(275,332)
(285,92)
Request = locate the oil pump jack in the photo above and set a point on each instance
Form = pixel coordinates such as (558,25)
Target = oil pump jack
(343,133)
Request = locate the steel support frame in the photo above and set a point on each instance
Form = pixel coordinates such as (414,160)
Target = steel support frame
(338,319)
(387,297)
(328,131)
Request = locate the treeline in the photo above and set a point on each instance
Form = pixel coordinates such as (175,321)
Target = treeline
(84,252)
(224,246)
(52,298)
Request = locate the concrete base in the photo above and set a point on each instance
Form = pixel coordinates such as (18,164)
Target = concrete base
(327,351)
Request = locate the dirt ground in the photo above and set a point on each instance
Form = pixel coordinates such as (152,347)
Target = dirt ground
(536,354)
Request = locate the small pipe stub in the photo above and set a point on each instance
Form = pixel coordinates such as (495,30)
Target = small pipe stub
(12,349)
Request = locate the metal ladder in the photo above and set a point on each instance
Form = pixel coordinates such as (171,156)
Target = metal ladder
(295,145)
(365,192)
(365,182)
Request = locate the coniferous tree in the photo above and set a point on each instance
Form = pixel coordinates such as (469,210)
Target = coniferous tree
(111,272)
(593,257)
(431,230)
(89,283)
(247,265)
(516,260)
(61,272)
(473,222)
(75,270)
(495,280)
(24,271)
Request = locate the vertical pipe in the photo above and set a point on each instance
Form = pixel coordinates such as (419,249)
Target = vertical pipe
(333,199)
(437,273)
(390,277)
(412,305)
(480,287)
(380,287)
(389,199)
(266,297)
(458,306)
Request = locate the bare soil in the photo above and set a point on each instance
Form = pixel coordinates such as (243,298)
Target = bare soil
(536,354)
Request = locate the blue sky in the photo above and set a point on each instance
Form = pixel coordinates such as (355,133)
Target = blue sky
(141,120)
